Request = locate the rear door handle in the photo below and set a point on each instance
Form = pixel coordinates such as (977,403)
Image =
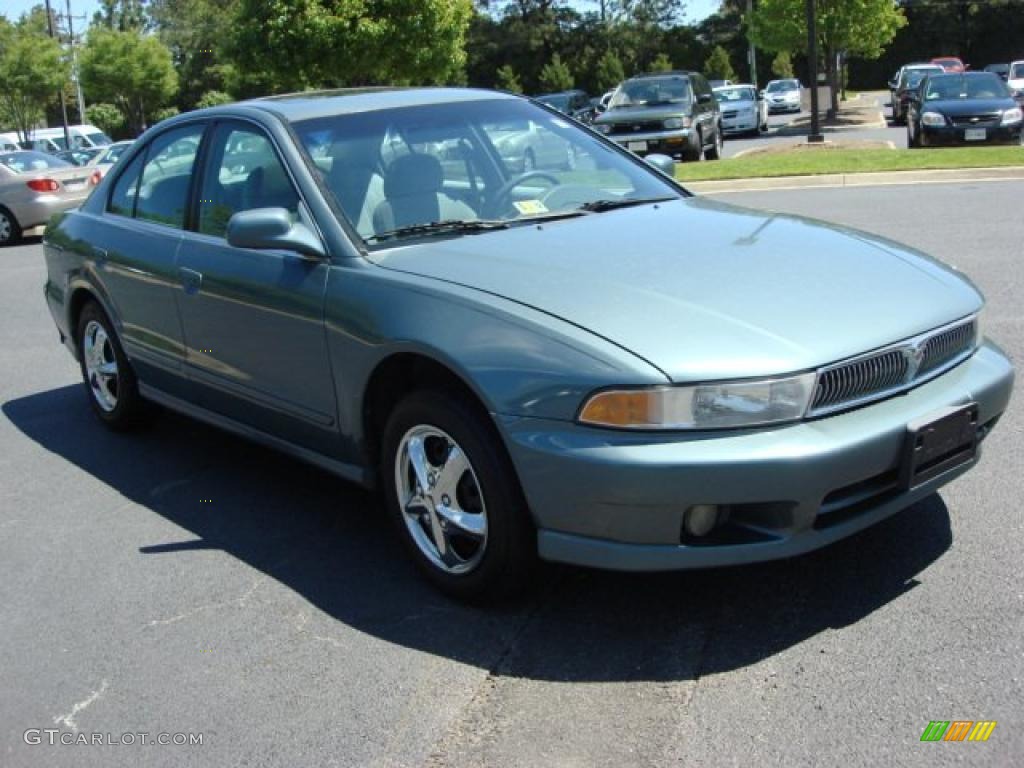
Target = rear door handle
(191,280)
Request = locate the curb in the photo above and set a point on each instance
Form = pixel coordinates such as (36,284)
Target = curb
(882,178)
(803,130)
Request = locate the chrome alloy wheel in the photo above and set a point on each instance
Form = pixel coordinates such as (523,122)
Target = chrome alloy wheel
(100,365)
(441,500)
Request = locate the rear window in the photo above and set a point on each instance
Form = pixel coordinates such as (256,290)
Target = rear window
(29,161)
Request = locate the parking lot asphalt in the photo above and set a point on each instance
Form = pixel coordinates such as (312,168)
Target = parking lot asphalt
(181,580)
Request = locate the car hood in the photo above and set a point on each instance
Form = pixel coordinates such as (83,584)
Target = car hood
(782,94)
(635,114)
(705,290)
(957,107)
(730,106)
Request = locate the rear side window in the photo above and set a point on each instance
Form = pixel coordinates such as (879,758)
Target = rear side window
(243,172)
(163,190)
(122,199)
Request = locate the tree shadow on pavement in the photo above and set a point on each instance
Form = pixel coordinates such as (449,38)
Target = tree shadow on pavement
(329,542)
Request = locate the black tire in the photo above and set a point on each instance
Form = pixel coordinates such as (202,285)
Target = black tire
(508,555)
(10,231)
(129,410)
(912,140)
(714,152)
(695,155)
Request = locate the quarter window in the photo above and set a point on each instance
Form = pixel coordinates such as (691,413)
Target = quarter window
(243,173)
(122,199)
(166,176)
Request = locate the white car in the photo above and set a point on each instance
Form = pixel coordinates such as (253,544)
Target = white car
(743,110)
(1015,78)
(783,95)
(106,159)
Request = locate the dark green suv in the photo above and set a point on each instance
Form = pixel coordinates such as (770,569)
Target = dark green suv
(670,113)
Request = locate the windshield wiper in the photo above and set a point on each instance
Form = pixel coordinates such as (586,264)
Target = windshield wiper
(448,226)
(599,206)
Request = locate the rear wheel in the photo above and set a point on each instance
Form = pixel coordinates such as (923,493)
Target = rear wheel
(10,232)
(454,498)
(108,376)
(714,152)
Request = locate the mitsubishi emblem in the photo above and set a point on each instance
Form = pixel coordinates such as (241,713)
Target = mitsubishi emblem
(915,356)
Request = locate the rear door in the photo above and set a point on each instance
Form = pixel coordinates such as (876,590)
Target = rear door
(253,319)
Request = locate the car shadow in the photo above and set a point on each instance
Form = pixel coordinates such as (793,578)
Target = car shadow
(327,540)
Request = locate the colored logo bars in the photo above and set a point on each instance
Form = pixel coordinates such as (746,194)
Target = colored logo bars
(958,730)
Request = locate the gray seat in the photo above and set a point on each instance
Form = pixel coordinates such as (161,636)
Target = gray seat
(413,195)
(356,181)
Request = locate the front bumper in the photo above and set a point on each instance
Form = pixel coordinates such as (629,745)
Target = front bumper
(743,123)
(616,500)
(660,142)
(948,135)
(783,106)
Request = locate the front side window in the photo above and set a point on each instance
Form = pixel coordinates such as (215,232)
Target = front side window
(163,190)
(243,172)
(500,161)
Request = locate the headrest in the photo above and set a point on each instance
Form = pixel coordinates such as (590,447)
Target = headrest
(414,174)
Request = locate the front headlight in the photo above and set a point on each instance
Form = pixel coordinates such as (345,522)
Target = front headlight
(932,118)
(675,123)
(716,405)
(1012,115)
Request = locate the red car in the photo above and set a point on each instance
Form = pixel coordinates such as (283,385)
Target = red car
(950,64)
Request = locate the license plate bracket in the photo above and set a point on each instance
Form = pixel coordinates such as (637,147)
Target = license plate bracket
(975,134)
(938,443)
(636,146)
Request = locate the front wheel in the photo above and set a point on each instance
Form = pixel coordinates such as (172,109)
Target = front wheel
(454,498)
(108,376)
(10,232)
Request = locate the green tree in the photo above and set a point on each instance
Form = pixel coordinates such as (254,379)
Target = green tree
(106,117)
(858,27)
(507,80)
(165,114)
(194,31)
(782,65)
(122,15)
(32,70)
(214,99)
(128,69)
(281,45)
(661,63)
(556,75)
(609,71)
(717,66)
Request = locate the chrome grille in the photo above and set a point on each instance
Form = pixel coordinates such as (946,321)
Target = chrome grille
(944,346)
(644,126)
(981,121)
(890,370)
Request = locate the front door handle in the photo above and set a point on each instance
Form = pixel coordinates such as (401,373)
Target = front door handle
(191,280)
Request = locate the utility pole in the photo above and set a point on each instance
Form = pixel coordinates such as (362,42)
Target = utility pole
(60,91)
(74,65)
(815,136)
(751,51)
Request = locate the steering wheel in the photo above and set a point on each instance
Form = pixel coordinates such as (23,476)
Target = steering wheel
(502,194)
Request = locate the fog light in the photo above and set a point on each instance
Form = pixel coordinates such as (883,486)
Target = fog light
(700,519)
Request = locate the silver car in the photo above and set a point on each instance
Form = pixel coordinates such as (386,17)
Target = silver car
(743,110)
(783,96)
(33,187)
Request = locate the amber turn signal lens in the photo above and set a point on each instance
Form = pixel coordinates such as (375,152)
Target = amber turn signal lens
(620,408)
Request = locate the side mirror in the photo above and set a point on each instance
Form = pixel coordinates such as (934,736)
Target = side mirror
(273,229)
(704,98)
(663,163)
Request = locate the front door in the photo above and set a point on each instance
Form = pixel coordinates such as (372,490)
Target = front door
(253,320)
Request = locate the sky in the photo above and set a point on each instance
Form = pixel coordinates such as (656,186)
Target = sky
(695,9)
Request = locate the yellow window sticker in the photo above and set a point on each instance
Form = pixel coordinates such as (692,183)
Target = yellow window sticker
(530,207)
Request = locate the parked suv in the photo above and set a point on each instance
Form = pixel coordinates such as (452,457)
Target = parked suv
(670,113)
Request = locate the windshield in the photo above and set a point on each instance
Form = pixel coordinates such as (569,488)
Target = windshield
(29,161)
(495,160)
(114,152)
(1017,70)
(913,77)
(735,94)
(650,91)
(982,85)
(783,85)
(559,101)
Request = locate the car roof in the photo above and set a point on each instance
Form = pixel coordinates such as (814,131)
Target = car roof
(313,104)
(668,73)
(733,85)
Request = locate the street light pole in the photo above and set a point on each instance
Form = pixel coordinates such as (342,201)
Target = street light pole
(751,51)
(815,136)
(60,91)
(74,65)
